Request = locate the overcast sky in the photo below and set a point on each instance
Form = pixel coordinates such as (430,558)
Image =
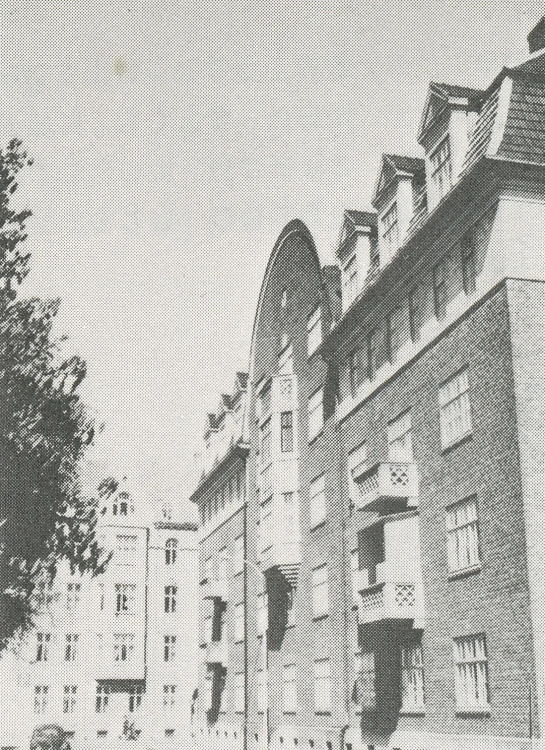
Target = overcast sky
(174,140)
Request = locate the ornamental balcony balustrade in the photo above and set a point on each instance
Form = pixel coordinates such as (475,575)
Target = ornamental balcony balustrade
(394,595)
(390,480)
(216,652)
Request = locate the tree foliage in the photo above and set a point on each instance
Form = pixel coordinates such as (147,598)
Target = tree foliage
(44,430)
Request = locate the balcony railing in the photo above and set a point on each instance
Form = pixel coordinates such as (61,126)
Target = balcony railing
(216,652)
(216,588)
(391,601)
(387,481)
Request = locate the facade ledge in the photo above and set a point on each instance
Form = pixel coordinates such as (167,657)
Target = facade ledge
(460,441)
(464,572)
(240,449)
(318,618)
(176,525)
(314,438)
(472,711)
(318,525)
(412,711)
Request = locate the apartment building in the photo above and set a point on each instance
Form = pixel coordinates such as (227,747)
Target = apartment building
(390,540)
(112,657)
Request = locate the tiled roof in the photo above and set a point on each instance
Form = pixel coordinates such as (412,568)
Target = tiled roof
(482,132)
(524,131)
(412,164)
(362,218)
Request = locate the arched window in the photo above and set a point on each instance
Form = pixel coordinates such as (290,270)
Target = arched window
(170,551)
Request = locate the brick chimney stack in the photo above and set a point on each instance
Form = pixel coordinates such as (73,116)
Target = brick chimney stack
(536,37)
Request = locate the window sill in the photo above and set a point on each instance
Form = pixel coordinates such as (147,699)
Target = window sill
(472,711)
(464,572)
(460,441)
(412,711)
(317,618)
(318,525)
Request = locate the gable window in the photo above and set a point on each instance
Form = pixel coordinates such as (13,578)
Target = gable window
(471,672)
(469,268)
(314,330)
(286,431)
(439,290)
(400,442)
(350,281)
(289,688)
(102,698)
(285,361)
(454,415)
(71,646)
(69,699)
(414,312)
(317,501)
(441,169)
(462,535)
(390,230)
(170,598)
(42,646)
(322,685)
(320,592)
(315,414)
(41,696)
(412,676)
(170,551)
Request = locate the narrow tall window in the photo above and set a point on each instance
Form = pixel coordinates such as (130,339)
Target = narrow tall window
(261,691)
(317,501)
(455,414)
(126,549)
(315,414)
(169,696)
(239,692)
(462,535)
(265,402)
(262,613)
(286,431)
(440,290)
(41,699)
(414,313)
(170,551)
(238,554)
(469,266)
(395,333)
(314,330)
(169,648)
(266,445)
(265,521)
(73,591)
(123,646)
(412,676)
(239,622)
(365,693)
(350,281)
(320,591)
(289,688)
(124,598)
(471,672)
(71,647)
(357,370)
(102,698)
(322,686)
(170,598)
(372,354)
(390,230)
(42,646)
(135,697)
(69,699)
(400,442)
(441,169)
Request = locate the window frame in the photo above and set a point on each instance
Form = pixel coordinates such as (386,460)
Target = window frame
(323,681)
(171,547)
(413,687)
(440,158)
(439,281)
(459,382)
(317,495)
(320,602)
(287,442)
(315,414)
(289,688)
(466,678)
(463,534)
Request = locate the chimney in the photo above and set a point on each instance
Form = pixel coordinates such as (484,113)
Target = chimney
(536,38)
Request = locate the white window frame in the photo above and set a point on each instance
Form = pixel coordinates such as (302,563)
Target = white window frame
(171,594)
(73,595)
(135,698)
(71,641)
(315,414)
(289,688)
(171,547)
(389,224)
(169,648)
(455,409)
(412,676)
(441,168)
(123,646)
(314,330)
(43,641)
(400,441)
(463,548)
(364,671)
(317,501)
(471,672)
(322,685)
(69,696)
(102,698)
(41,699)
(125,595)
(320,591)
(169,697)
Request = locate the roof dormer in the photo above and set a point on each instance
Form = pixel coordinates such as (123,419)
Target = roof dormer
(450,113)
(396,191)
(356,252)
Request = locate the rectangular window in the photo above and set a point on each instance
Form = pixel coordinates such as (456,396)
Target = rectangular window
(123,646)
(73,591)
(314,330)
(462,535)
(266,445)
(265,524)
(41,698)
(169,696)
(440,290)
(286,431)
(350,281)
(365,693)
(125,549)
(320,592)
(170,598)
(169,648)
(262,613)
(239,692)
(239,622)
(289,688)
(265,402)
(315,414)
(471,672)
(124,597)
(42,646)
(357,370)
(261,691)
(395,333)
(414,313)
(390,230)
(469,266)
(135,697)
(317,501)
(455,415)
(71,647)
(44,594)
(412,676)
(400,441)
(357,462)
(102,698)
(441,169)
(238,554)
(372,354)
(69,699)
(322,685)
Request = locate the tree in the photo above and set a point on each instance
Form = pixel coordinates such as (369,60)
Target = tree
(44,430)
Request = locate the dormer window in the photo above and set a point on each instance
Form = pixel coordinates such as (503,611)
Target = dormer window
(441,169)
(390,230)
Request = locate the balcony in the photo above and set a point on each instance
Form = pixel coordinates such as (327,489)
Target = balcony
(360,581)
(216,588)
(392,480)
(391,600)
(216,652)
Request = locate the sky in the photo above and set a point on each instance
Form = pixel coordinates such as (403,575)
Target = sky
(172,141)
